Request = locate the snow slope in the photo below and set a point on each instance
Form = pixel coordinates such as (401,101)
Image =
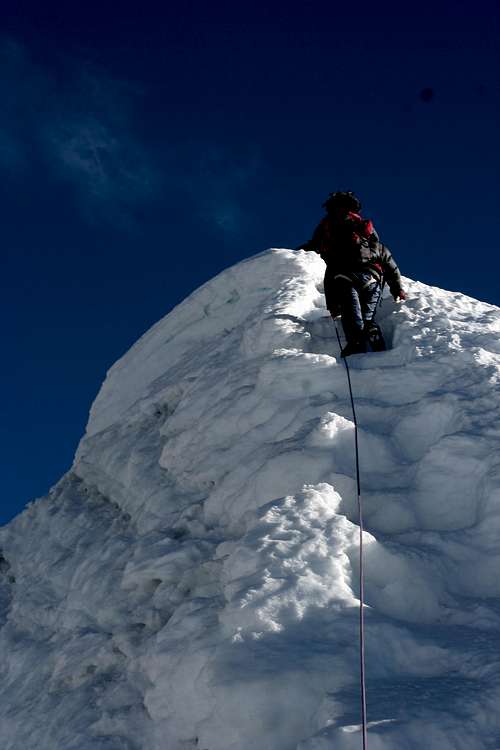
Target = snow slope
(192,581)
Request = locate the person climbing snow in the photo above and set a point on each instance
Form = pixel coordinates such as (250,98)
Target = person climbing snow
(357,266)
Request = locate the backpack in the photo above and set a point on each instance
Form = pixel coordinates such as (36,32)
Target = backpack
(349,237)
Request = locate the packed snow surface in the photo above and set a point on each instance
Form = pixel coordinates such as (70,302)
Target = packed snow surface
(192,582)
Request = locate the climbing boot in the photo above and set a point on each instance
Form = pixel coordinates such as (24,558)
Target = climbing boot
(374,337)
(353,347)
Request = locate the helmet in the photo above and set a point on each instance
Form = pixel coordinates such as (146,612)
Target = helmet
(343,201)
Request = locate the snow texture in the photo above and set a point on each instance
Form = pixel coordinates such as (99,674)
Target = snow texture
(192,582)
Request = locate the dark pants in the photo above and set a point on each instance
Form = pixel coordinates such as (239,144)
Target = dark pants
(356,302)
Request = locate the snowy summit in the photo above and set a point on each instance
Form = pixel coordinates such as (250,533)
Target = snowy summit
(192,582)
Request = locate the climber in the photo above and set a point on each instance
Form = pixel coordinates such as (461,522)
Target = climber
(357,266)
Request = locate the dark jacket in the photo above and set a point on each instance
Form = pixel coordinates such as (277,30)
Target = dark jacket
(349,244)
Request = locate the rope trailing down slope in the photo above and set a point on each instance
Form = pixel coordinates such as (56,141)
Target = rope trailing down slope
(361,571)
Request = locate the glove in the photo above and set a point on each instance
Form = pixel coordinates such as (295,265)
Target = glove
(399,294)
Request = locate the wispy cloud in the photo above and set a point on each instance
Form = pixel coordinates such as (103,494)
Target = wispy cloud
(219,180)
(106,167)
(78,126)
(80,130)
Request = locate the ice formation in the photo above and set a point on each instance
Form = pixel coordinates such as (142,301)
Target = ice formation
(191,583)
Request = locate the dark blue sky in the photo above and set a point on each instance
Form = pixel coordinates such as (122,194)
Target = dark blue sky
(144,148)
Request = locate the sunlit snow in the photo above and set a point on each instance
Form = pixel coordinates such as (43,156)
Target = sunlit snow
(192,582)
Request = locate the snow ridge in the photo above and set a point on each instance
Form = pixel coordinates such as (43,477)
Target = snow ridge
(192,581)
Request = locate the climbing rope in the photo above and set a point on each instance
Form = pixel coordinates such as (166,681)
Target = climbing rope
(361,572)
